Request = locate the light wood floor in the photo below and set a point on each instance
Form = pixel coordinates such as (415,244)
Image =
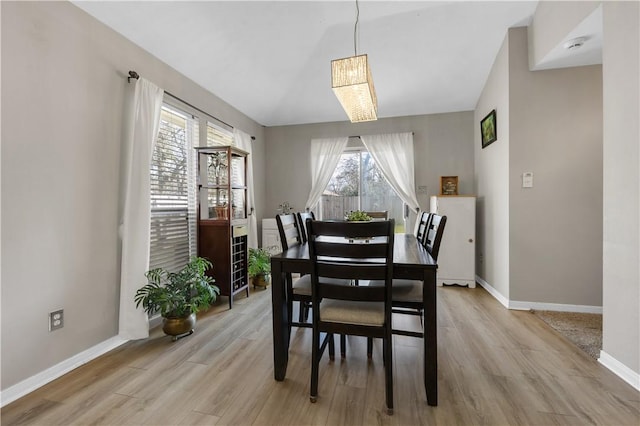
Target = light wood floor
(496,367)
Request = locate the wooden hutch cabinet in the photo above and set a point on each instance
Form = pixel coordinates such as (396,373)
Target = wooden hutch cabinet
(222,216)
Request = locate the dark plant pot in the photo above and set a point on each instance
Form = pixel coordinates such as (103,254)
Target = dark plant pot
(261,280)
(177,327)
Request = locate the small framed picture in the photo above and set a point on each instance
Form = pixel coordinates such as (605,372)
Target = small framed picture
(489,129)
(448,185)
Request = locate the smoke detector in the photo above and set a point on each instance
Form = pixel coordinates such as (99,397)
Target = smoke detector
(574,43)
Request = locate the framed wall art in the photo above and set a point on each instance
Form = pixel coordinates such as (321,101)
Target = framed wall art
(448,185)
(489,129)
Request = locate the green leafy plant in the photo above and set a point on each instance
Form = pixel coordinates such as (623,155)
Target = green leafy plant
(178,294)
(259,262)
(357,215)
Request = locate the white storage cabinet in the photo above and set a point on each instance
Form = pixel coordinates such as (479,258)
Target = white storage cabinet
(456,259)
(271,236)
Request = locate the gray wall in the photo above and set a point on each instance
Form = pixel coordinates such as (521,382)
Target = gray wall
(442,146)
(532,246)
(616,250)
(492,179)
(63,91)
(555,238)
(621,275)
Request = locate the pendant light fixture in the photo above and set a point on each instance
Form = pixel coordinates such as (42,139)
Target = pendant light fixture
(352,83)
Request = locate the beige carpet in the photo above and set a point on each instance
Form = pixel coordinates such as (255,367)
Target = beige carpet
(584,330)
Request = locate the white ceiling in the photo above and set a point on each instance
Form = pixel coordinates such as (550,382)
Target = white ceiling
(271,59)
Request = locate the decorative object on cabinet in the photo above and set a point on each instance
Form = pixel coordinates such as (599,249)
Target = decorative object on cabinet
(285,208)
(178,296)
(456,260)
(489,129)
(259,267)
(448,185)
(222,216)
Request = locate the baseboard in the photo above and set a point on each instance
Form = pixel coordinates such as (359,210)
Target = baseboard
(538,306)
(155,321)
(620,370)
(26,386)
(492,291)
(459,282)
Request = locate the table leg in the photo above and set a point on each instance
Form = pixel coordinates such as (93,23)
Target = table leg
(430,339)
(280,317)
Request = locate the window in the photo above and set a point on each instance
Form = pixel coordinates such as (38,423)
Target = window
(173,206)
(358,184)
(173,177)
(216,135)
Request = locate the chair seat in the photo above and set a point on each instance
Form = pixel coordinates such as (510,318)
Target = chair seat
(302,286)
(407,291)
(404,290)
(352,312)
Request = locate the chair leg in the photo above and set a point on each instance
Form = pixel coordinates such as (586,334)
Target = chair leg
(343,346)
(290,312)
(332,348)
(388,369)
(369,347)
(306,311)
(315,361)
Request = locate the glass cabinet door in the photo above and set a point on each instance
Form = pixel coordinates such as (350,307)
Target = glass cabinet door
(238,172)
(222,183)
(217,168)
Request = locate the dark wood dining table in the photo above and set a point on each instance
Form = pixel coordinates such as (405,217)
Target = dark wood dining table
(410,261)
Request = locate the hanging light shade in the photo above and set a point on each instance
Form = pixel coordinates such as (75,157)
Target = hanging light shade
(352,83)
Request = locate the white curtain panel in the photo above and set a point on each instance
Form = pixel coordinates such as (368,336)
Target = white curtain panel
(325,155)
(136,216)
(393,153)
(243,141)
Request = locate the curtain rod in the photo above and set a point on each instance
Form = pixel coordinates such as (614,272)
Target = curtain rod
(135,75)
(359,137)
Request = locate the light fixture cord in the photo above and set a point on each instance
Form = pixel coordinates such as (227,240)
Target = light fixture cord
(355,30)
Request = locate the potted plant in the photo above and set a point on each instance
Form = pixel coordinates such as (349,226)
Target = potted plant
(178,296)
(259,267)
(357,216)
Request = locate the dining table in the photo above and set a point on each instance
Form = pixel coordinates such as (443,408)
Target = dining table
(411,260)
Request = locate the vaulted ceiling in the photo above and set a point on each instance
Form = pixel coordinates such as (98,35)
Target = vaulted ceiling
(271,59)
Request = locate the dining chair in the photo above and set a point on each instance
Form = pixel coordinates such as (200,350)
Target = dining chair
(422,226)
(407,294)
(348,251)
(302,217)
(298,290)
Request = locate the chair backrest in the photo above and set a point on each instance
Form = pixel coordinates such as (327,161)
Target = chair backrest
(351,251)
(434,235)
(288,229)
(379,215)
(302,218)
(422,226)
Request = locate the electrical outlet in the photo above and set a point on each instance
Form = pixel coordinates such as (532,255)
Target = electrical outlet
(56,320)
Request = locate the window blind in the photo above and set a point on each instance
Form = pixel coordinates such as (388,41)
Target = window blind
(173,214)
(216,135)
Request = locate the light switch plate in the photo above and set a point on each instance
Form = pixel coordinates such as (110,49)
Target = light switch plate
(527,180)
